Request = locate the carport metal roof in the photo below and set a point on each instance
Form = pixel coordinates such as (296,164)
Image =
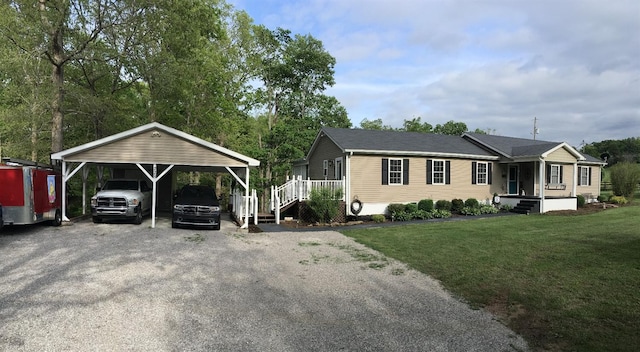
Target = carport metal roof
(156,144)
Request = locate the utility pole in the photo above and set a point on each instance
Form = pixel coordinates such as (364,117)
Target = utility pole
(535,128)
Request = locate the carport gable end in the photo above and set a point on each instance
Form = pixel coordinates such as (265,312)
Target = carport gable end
(155,144)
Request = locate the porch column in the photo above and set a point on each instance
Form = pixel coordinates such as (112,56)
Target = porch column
(541,177)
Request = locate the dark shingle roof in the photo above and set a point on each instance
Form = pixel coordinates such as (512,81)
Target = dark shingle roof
(514,147)
(396,141)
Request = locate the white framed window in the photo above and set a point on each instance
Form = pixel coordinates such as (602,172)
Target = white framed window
(481,173)
(584,176)
(438,172)
(395,171)
(325,168)
(555,175)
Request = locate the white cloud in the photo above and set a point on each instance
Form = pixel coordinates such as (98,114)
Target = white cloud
(574,64)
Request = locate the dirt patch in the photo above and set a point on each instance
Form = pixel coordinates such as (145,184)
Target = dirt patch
(585,210)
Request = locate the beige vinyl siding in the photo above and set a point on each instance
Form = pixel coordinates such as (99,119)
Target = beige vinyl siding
(594,188)
(567,179)
(561,156)
(366,181)
(324,150)
(151,148)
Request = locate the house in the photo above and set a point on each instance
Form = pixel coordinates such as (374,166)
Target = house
(382,167)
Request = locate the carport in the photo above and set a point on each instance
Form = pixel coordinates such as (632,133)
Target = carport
(155,150)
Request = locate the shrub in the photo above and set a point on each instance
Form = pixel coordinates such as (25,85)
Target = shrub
(618,200)
(403,216)
(325,203)
(426,205)
(411,208)
(602,198)
(466,210)
(441,213)
(488,209)
(472,203)
(625,177)
(396,208)
(581,200)
(456,205)
(443,205)
(378,218)
(422,214)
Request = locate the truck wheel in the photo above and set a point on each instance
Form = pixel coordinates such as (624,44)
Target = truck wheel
(96,220)
(57,219)
(138,219)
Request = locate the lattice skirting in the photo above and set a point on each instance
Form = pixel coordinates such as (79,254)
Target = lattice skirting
(306,215)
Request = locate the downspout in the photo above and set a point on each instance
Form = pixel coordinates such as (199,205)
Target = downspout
(574,190)
(541,175)
(347,182)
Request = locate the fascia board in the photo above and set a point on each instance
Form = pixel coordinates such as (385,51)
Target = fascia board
(414,153)
(569,148)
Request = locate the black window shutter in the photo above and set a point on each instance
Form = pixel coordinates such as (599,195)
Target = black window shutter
(385,171)
(548,173)
(474,166)
(579,176)
(447,172)
(489,177)
(560,173)
(589,176)
(429,167)
(405,171)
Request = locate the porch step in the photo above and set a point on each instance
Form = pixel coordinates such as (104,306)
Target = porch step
(524,207)
(266,218)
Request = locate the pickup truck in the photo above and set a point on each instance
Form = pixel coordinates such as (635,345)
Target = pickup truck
(121,199)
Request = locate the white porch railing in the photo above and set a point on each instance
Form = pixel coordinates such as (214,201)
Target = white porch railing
(298,190)
(238,202)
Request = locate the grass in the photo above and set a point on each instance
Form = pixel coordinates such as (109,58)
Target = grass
(563,282)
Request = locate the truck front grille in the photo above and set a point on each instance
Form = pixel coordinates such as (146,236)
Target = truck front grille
(111,202)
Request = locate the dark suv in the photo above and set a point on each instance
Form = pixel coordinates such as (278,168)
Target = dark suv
(196,206)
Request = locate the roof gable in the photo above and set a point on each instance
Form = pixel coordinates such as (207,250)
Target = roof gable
(515,148)
(153,148)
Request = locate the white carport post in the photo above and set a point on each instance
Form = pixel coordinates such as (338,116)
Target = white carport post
(85,175)
(154,179)
(245,184)
(66,178)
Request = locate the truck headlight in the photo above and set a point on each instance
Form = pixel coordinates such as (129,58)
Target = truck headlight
(178,208)
(94,201)
(132,201)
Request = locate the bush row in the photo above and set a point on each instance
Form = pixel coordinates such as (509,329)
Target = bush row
(427,209)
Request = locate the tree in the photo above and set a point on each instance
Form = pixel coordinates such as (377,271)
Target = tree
(615,150)
(625,177)
(414,125)
(376,124)
(451,128)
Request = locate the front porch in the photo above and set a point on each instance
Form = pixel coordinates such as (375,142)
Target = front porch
(537,204)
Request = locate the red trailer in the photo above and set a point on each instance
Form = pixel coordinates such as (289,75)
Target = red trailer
(30,193)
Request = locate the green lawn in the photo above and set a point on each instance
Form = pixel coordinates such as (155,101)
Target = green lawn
(563,282)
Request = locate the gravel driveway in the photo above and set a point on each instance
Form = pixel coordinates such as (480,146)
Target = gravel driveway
(111,287)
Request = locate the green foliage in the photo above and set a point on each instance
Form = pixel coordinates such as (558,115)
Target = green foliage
(415,125)
(443,205)
(426,204)
(467,210)
(602,198)
(411,208)
(456,205)
(451,128)
(325,203)
(376,125)
(617,150)
(625,177)
(505,207)
(378,218)
(581,200)
(488,209)
(472,203)
(441,213)
(396,208)
(621,200)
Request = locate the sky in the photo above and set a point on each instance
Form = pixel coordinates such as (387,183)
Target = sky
(574,65)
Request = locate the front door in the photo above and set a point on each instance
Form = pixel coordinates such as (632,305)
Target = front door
(338,170)
(513,179)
